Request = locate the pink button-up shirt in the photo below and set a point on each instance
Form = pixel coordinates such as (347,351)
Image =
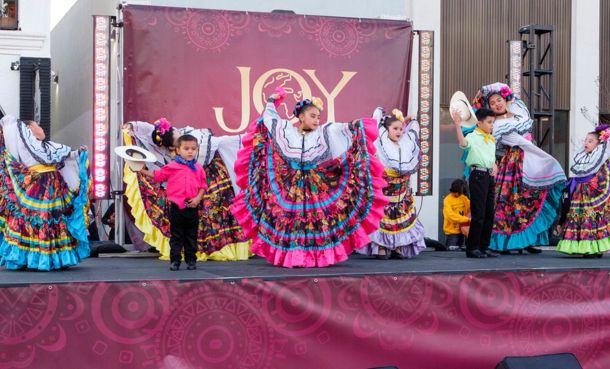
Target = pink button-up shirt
(182,182)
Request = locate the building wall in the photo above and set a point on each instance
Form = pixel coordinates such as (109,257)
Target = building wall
(604,61)
(474,38)
(31,40)
(72,55)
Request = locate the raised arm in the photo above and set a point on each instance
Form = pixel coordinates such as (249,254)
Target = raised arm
(458,129)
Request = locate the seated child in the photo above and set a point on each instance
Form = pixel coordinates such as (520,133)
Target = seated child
(456,208)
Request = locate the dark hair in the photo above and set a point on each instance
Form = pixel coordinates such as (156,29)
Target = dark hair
(594,133)
(387,121)
(107,214)
(458,186)
(187,138)
(484,113)
(166,139)
(303,106)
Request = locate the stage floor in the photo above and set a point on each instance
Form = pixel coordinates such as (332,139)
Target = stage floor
(129,269)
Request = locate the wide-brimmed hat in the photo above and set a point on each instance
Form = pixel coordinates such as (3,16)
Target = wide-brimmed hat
(135,156)
(459,102)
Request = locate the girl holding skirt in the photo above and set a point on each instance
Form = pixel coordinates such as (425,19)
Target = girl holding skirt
(400,234)
(586,229)
(311,192)
(43,199)
(529,181)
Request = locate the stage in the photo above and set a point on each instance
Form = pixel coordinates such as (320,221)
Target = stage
(439,310)
(122,268)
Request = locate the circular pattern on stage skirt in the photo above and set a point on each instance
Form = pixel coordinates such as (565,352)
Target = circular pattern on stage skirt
(26,312)
(297,308)
(129,315)
(217,328)
(553,315)
(392,301)
(487,302)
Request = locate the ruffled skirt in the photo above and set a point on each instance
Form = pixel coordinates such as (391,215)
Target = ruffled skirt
(587,226)
(400,230)
(42,220)
(308,215)
(523,214)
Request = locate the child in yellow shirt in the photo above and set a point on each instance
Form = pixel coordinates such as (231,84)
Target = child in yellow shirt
(456,208)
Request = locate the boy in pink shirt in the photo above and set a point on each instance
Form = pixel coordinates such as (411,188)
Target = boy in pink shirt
(186,184)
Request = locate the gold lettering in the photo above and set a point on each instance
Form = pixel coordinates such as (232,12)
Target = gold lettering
(330,97)
(257,90)
(244,73)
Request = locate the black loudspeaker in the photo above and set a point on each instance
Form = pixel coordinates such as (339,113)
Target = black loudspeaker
(555,361)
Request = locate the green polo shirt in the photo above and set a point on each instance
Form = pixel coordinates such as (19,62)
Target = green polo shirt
(480,154)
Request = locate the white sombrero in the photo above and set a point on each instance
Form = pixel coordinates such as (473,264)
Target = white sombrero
(459,102)
(135,156)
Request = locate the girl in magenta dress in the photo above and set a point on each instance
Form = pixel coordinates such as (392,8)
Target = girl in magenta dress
(311,193)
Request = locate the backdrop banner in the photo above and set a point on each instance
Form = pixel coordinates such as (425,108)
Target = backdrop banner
(214,69)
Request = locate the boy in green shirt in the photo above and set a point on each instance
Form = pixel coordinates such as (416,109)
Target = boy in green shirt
(481,159)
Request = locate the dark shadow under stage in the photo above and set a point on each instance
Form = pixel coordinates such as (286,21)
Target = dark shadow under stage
(126,269)
(439,310)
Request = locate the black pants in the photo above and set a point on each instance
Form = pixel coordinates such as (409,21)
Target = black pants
(482,206)
(183,224)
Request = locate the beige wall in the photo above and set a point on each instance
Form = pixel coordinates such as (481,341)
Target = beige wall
(473,42)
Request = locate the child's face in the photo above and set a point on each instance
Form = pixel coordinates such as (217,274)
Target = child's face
(310,119)
(395,131)
(187,150)
(486,124)
(591,143)
(497,104)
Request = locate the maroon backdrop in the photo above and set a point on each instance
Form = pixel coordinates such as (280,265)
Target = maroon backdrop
(466,321)
(211,68)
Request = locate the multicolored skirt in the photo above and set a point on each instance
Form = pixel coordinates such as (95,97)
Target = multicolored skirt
(219,236)
(587,227)
(399,230)
(523,214)
(308,215)
(42,220)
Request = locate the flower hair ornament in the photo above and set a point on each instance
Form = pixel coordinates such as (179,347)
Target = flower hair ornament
(396,115)
(481,100)
(315,101)
(162,126)
(604,132)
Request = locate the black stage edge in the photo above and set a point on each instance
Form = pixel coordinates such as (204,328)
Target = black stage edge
(125,269)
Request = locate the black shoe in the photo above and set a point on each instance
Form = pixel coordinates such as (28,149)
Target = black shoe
(396,255)
(533,250)
(191,266)
(385,256)
(174,266)
(477,254)
(491,254)
(505,252)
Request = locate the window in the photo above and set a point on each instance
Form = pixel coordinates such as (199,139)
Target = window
(8,15)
